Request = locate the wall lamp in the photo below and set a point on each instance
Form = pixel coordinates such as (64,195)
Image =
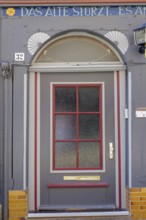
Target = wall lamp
(140,38)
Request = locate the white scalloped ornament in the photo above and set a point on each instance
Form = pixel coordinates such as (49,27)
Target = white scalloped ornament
(119,39)
(35,41)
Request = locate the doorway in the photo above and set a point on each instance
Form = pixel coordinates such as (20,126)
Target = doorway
(75,121)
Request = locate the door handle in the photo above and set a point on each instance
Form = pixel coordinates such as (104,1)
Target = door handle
(111,149)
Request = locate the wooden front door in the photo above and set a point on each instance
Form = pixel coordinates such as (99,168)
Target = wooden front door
(77,141)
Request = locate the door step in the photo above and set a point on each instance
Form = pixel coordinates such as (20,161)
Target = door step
(107,215)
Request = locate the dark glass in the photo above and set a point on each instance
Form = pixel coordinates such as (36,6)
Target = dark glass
(65,127)
(89,154)
(65,99)
(89,99)
(65,155)
(89,127)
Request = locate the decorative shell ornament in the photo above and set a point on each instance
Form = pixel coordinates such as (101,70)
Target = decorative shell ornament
(35,41)
(119,39)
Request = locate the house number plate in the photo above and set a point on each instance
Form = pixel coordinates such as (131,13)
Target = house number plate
(19,56)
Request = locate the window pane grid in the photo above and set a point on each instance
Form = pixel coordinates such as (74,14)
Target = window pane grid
(77,141)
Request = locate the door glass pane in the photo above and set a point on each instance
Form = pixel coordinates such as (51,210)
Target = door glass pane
(65,99)
(65,127)
(89,126)
(89,154)
(65,155)
(89,99)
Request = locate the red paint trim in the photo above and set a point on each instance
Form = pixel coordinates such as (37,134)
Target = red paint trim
(119,137)
(66,2)
(35,141)
(87,140)
(53,128)
(77,114)
(82,185)
(77,127)
(101,131)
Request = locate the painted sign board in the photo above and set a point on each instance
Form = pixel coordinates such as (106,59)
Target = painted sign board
(65,11)
(68,2)
(140,112)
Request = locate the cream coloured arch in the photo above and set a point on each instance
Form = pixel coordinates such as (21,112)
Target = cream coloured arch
(75,49)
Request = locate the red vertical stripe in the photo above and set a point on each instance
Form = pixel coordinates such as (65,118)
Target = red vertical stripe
(54,127)
(35,141)
(101,132)
(77,126)
(119,136)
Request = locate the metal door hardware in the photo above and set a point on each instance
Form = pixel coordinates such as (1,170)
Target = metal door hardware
(111,149)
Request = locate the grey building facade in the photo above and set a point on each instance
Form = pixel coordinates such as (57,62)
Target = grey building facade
(73,106)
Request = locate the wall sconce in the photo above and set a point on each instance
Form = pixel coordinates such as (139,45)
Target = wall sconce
(140,38)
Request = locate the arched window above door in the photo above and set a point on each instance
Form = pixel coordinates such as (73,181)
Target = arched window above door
(76,47)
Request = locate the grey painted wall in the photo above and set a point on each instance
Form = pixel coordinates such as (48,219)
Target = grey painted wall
(15,34)
(1,139)
(1,127)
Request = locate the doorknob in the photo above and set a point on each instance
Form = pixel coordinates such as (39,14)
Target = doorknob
(111,149)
